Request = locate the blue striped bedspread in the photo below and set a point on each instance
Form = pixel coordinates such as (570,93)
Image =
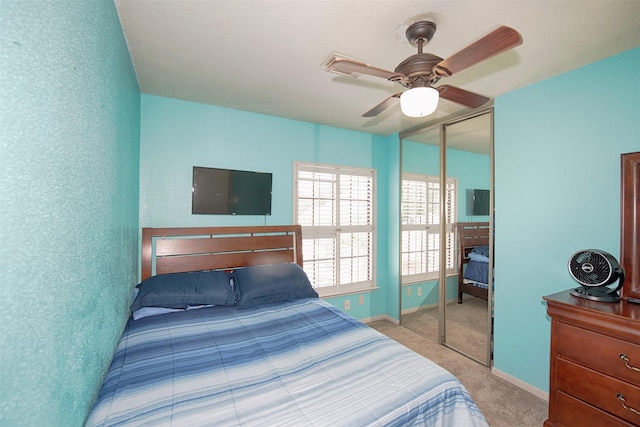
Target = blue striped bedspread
(296,363)
(478,273)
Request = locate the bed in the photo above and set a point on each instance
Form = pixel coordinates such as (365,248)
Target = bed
(260,349)
(473,259)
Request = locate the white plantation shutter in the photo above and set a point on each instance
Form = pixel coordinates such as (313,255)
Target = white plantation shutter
(335,207)
(449,226)
(421,227)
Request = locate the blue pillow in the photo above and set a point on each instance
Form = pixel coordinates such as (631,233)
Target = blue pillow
(267,284)
(180,290)
(482,250)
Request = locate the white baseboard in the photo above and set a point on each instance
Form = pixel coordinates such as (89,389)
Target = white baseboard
(521,384)
(419,308)
(426,307)
(381,317)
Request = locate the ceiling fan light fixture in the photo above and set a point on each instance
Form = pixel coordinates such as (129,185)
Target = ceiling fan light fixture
(419,101)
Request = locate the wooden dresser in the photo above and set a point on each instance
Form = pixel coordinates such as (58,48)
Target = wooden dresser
(595,362)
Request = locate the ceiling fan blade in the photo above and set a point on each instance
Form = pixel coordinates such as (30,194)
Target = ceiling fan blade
(342,64)
(383,105)
(461,96)
(498,41)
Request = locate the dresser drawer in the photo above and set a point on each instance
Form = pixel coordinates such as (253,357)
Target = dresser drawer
(598,389)
(572,412)
(599,352)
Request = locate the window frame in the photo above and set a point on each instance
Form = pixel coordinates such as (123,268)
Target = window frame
(431,270)
(337,232)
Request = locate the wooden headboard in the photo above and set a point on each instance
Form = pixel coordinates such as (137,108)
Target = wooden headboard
(472,234)
(172,250)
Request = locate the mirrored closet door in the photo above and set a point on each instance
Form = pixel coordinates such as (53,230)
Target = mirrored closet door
(420,247)
(447,239)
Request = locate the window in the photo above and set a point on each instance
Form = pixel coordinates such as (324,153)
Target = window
(336,208)
(421,227)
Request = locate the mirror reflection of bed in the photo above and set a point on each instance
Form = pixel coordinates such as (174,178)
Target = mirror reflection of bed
(461,318)
(470,314)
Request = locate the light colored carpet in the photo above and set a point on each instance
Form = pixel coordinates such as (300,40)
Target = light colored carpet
(502,403)
(467,326)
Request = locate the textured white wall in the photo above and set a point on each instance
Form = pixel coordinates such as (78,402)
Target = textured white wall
(69,157)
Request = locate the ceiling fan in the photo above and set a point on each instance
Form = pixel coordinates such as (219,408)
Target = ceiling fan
(421,71)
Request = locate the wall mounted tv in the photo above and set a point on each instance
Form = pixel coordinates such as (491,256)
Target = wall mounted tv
(477,202)
(230,192)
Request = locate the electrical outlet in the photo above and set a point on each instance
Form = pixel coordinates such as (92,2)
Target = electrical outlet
(360,299)
(409,291)
(419,291)
(347,304)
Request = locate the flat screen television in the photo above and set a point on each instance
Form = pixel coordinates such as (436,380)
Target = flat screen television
(230,192)
(477,202)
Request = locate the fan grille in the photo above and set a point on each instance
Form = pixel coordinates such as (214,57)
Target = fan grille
(592,268)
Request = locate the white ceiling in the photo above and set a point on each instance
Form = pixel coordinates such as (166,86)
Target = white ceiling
(264,56)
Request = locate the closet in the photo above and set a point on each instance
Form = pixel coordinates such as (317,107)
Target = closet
(446,169)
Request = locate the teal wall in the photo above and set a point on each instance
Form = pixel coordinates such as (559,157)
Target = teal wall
(472,170)
(177,135)
(429,297)
(557,178)
(386,160)
(69,153)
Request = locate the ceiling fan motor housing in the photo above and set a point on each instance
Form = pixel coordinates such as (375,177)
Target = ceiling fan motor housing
(421,30)
(418,64)
(417,70)
(594,268)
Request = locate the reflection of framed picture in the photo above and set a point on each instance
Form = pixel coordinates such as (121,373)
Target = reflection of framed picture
(630,224)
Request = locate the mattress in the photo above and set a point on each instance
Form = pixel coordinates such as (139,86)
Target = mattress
(294,363)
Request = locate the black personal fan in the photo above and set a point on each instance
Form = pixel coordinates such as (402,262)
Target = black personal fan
(595,270)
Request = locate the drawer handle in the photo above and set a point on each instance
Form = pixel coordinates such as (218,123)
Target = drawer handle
(621,398)
(626,362)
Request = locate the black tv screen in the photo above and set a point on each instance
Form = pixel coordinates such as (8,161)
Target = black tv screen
(230,192)
(477,202)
